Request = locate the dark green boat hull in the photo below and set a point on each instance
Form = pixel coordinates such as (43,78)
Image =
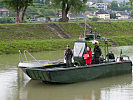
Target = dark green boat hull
(78,74)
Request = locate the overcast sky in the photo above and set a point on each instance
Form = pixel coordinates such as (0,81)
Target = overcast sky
(118,0)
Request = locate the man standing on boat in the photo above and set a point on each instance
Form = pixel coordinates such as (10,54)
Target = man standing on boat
(68,56)
(97,53)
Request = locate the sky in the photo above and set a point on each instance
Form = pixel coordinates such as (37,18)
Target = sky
(118,0)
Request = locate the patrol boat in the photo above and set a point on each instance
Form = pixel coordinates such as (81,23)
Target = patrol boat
(79,71)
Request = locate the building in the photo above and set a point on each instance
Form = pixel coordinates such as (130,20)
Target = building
(101,14)
(81,16)
(89,3)
(102,6)
(90,14)
(93,6)
(4,12)
(122,15)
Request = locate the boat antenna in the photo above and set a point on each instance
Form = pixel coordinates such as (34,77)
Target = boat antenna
(85,28)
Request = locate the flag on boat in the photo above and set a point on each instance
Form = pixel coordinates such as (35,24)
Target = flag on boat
(121,58)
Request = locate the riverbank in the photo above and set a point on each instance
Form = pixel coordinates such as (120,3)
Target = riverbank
(10,47)
(40,36)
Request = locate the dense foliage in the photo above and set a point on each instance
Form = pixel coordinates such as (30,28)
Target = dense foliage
(131,13)
(19,6)
(114,5)
(131,2)
(69,5)
(122,6)
(5,20)
(112,16)
(94,19)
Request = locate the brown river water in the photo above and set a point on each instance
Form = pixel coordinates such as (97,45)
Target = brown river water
(15,85)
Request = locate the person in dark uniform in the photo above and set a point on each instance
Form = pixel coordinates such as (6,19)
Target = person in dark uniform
(97,53)
(68,56)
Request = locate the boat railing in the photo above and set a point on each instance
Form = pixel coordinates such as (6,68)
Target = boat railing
(35,61)
(122,58)
(40,62)
(22,60)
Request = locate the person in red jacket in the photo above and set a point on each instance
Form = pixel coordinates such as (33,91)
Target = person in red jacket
(88,60)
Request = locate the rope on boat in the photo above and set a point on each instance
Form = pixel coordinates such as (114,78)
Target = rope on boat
(31,56)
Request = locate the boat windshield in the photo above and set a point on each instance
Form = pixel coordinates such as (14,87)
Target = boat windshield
(79,49)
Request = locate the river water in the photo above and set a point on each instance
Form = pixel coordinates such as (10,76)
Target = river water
(15,85)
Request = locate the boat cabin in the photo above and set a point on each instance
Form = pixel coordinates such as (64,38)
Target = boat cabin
(79,51)
(80,48)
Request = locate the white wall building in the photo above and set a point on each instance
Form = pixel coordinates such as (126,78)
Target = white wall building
(103,15)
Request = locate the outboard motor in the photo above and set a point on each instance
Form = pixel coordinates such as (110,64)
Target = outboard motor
(111,56)
(98,36)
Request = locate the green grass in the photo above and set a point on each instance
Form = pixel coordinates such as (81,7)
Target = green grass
(120,32)
(73,29)
(8,47)
(26,31)
(38,37)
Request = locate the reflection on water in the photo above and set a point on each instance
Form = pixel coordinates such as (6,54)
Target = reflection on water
(92,90)
(14,85)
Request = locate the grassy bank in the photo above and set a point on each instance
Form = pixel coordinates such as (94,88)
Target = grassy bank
(120,32)
(11,47)
(8,47)
(39,37)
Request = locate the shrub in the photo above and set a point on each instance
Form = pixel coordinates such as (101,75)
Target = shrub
(113,16)
(94,19)
(6,20)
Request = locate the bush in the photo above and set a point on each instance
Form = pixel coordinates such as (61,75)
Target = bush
(113,16)
(131,14)
(94,19)
(6,20)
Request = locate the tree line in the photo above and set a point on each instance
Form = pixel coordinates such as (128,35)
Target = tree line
(20,6)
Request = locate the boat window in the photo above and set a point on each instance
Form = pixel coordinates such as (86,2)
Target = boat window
(79,49)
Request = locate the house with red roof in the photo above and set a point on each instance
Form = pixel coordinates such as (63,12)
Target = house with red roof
(4,12)
(90,2)
(90,14)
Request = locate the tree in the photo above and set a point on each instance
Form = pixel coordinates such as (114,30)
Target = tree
(131,3)
(114,5)
(124,6)
(112,16)
(6,20)
(19,6)
(131,13)
(31,12)
(94,19)
(25,5)
(2,5)
(69,5)
(99,1)
(47,2)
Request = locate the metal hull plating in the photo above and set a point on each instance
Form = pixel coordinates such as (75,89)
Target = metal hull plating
(78,74)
